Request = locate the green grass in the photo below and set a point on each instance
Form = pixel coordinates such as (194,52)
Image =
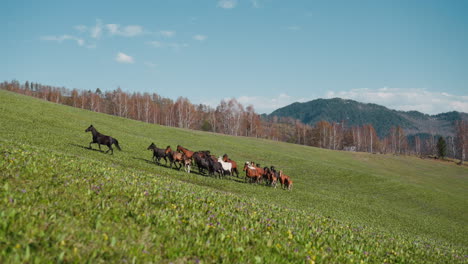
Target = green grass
(345,207)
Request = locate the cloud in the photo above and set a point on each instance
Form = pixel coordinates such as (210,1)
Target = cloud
(156,44)
(167,33)
(407,99)
(268,104)
(173,45)
(127,31)
(255,3)
(81,28)
(200,37)
(62,38)
(96,31)
(150,65)
(124,58)
(293,28)
(227,4)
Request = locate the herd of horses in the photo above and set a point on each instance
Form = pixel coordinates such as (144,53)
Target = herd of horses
(205,162)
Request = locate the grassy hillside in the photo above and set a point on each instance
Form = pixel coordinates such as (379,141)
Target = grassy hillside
(382,202)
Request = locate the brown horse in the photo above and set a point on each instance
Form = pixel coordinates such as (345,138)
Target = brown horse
(187,163)
(289,184)
(270,177)
(187,152)
(234,164)
(252,172)
(285,180)
(174,156)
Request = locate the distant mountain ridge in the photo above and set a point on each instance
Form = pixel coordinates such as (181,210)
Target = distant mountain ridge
(356,113)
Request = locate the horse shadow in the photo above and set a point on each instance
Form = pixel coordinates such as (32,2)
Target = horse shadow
(145,160)
(84,147)
(151,162)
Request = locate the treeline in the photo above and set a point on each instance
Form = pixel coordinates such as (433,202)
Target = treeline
(232,118)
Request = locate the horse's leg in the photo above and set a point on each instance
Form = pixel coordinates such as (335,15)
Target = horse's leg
(90,144)
(110,149)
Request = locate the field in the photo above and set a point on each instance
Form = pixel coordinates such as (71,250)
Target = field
(63,202)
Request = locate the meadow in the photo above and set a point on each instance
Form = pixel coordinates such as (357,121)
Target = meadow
(62,202)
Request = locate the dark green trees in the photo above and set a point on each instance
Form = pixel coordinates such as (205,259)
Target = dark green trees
(441,148)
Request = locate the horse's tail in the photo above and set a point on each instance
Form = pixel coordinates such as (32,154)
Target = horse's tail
(117,144)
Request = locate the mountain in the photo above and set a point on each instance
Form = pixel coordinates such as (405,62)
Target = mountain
(382,118)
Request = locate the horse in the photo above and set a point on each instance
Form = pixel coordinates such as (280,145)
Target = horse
(234,164)
(270,177)
(284,180)
(99,139)
(215,167)
(158,154)
(251,172)
(200,159)
(275,176)
(174,156)
(227,166)
(187,163)
(289,184)
(187,152)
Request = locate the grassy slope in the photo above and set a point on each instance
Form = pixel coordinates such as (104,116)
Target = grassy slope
(403,195)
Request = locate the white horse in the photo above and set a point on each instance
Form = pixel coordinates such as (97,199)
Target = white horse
(227,166)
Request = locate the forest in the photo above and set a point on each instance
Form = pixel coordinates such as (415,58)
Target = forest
(232,118)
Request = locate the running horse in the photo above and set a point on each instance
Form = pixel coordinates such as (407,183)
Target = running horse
(234,164)
(252,172)
(158,154)
(174,157)
(285,180)
(186,152)
(99,139)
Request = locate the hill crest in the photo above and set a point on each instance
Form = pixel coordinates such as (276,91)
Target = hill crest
(382,118)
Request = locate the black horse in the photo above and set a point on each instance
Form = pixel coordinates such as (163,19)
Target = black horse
(158,154)
(200,160)
(215,167)
(99,139)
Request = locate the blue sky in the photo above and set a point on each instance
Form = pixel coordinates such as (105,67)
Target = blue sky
(408,55)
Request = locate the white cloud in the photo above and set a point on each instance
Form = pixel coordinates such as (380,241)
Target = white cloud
(167,33)
(113,28)
(227,4)
(255,3)
(124,58)
(96,31)
(268,104)
(150,65)
(127,31)
(81,28)
(293,28)
(173,45)
(407,99)
(62,38)
(200,37)
(156,44)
